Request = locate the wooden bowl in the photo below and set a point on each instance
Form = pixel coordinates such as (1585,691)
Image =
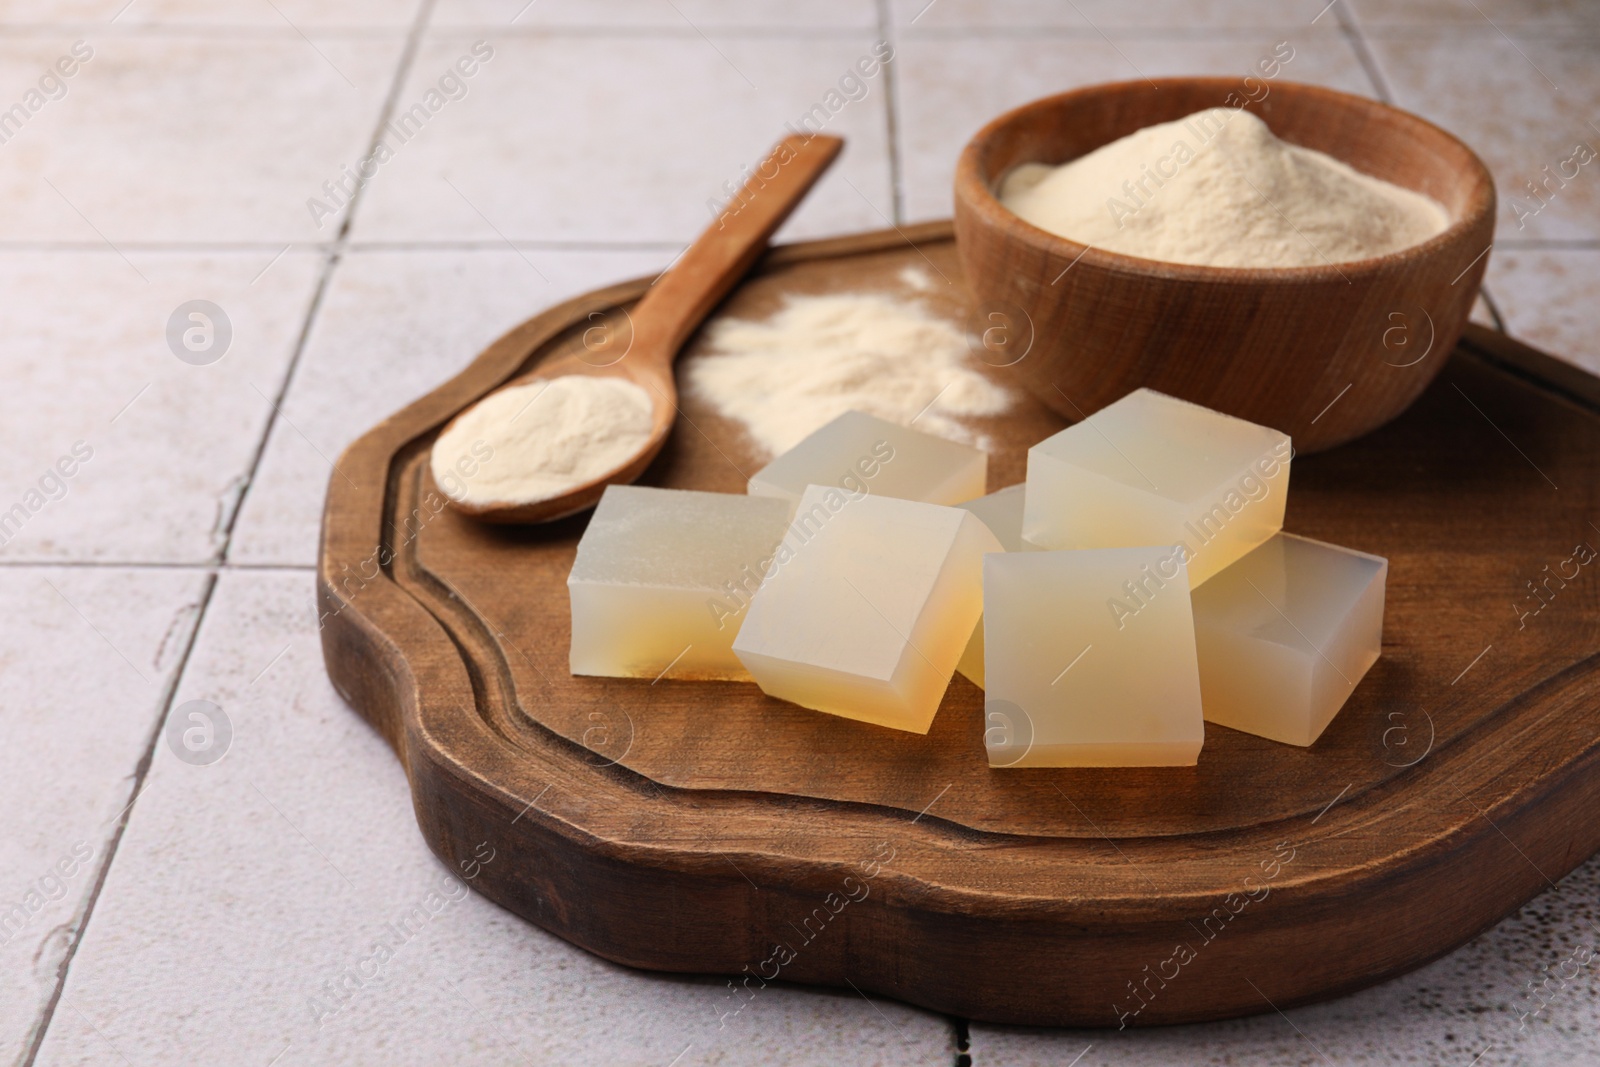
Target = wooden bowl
(1324,353)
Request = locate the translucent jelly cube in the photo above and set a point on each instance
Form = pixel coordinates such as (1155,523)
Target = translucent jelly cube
(1285,634)
(1002,512)
(1079,672)
(860,452)
(868,607)
(1153,470)
(663,578)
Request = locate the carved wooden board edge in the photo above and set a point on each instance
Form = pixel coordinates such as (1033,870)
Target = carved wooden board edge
(977,924)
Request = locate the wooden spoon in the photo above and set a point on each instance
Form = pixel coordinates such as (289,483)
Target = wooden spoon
(672,309)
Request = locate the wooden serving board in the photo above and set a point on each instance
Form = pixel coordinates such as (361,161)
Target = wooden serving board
(703,827)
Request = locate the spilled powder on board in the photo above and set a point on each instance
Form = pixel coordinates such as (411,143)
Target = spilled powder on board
(1218,188)
(821,356)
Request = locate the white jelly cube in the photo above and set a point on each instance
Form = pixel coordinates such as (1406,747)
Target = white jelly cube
(1154,470)
(1285,634)
(1081,674)
(860,452)
(1001,511)
(868,607)
(663,577)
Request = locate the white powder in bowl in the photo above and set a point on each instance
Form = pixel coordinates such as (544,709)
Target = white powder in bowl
(821,356)
(536,441)
(1220,189)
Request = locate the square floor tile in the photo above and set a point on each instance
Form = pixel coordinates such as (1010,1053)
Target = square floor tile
(392,326)
(1499,95)
(83,679)
(656,14)
(240,916)
(163,445)
(620,138)
(1548,297)
(1478,14)
(1526,992)
(1107,15)
(951,86)
(188,137)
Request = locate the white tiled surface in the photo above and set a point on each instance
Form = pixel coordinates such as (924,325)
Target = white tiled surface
(178,166)
(427,313)
(85,684)
(1547,297)
(86,359)
(1546,101)
(277,15)
(186,137)
(677,15)
(626,165)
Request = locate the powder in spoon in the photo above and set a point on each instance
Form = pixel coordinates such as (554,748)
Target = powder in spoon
(821,356)
(1220,189)
(536,441)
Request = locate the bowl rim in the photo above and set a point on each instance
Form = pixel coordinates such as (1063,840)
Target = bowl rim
(975,193)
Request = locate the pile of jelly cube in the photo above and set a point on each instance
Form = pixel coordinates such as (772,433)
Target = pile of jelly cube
(1136,586)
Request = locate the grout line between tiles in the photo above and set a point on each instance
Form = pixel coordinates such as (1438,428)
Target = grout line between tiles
(1494,309)
(891,108)
(1353,33)
(385,113)
(1106,32)
(142,769)
(445,33)
(324,279)
(188,247)
(1231,31)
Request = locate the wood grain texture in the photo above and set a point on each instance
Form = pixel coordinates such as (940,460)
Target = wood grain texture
(694,826)
(1275,346)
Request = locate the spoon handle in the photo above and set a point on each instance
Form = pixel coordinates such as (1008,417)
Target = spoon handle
(708,269)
